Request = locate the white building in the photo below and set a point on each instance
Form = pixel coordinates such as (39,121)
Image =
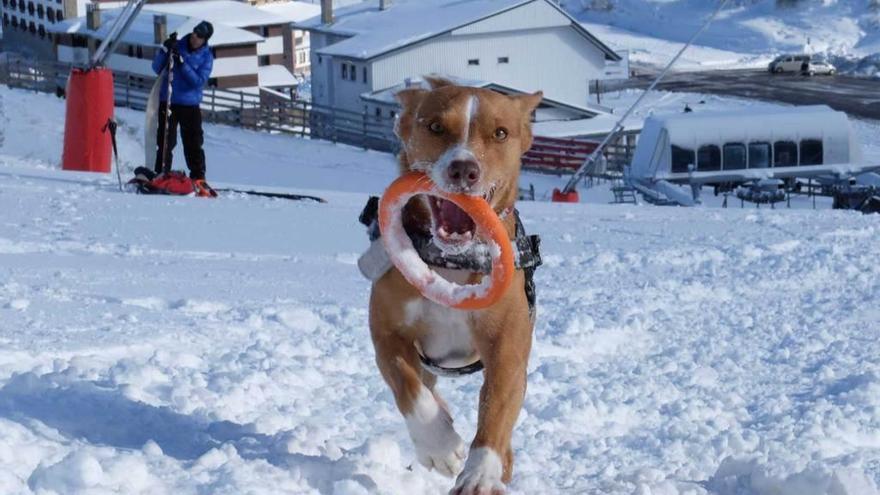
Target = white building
(295,12)
(274,29)
(27,23)
(361,50)
(252,47)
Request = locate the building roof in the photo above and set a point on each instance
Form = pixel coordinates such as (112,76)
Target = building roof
(275,76)
(373,32)
(228,12)
(141,30)
(387,95)
(292,11)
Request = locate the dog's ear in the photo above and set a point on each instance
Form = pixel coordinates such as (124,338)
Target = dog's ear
(409,99)
(437,82)
(527,104)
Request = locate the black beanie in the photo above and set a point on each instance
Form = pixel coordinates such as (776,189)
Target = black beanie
(204,29)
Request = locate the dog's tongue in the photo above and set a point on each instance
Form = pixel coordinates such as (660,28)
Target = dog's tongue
(452,218)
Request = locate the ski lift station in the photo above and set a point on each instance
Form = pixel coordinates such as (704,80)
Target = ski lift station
(677,154)
(746,145)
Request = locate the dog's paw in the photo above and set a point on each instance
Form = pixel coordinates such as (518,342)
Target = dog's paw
(448,461)
(482,474)
(438,445)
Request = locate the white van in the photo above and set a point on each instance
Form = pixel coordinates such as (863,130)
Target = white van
(788,63)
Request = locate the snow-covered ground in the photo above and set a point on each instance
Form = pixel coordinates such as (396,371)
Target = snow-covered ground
(746,34)
(183,345)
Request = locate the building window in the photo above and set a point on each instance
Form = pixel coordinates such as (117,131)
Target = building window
(365,75)
(32,28)
(14,22)
(263,60)
(6,3)
(734,156)
(503,60)
(21,6)
(682,159)
(344,71)
(320,59)
(709,158)
(785,154)
(131,51)
(40,11)
(378,112)
(5,19)
(474,61)
(759,155)
(50,14)
(354,73)
(31,8)
(392,114)
(41,31)
(59,16)
(811,152)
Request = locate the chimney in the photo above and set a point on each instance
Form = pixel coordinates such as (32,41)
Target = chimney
(384,4)
(327,11)
(93,16)
(160,28)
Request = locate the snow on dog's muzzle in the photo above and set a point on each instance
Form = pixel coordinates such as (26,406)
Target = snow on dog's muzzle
(407,260)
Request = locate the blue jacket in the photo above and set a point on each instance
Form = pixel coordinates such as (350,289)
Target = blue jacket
(190,77)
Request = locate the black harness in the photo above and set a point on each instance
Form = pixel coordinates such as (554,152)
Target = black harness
(527,257)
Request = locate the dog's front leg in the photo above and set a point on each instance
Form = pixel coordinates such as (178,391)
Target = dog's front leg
(505,355)
(438,446)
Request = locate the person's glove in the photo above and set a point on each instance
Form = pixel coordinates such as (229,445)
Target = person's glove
(178,58)
(171,43)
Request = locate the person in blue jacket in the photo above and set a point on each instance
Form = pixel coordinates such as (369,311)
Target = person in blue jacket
(193,62)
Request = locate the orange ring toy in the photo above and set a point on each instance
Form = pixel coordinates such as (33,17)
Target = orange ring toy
(404,256)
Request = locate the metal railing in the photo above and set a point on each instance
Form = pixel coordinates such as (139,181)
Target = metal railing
(261,110)
(269,111)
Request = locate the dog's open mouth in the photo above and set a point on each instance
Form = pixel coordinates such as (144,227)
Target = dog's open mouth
(451,225)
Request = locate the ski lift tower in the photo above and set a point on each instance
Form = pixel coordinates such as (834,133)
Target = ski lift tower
(87,144)
(569,193)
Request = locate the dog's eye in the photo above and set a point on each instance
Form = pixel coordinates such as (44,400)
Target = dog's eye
(436,127)
(501,134)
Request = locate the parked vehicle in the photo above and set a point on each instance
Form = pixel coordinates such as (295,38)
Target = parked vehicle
(820,68)
(788,63)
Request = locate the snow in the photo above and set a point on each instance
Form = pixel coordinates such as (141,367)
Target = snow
(275,76)
(293,11)
(184,345)
(141,30)
(746,34)
(227,12)
(371,31)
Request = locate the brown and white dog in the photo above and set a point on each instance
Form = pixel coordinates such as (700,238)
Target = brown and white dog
(470,141)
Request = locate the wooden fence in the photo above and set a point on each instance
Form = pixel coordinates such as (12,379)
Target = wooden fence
(270,111)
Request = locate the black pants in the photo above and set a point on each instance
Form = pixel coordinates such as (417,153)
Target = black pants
(190,120)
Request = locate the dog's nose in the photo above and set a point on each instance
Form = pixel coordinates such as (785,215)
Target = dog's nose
(463,173)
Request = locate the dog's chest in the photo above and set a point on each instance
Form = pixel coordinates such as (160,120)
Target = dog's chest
(446,336)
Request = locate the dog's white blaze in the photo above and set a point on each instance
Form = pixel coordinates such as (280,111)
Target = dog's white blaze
(482,471)
(470,111)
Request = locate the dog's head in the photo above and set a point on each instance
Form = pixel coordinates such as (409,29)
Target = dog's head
(468,140)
